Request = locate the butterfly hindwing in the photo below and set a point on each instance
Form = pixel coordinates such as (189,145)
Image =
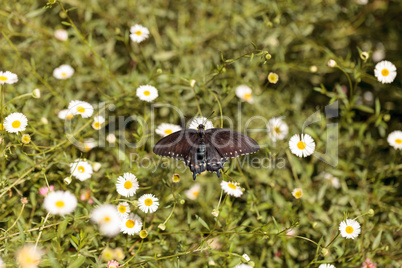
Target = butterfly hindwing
(230,143)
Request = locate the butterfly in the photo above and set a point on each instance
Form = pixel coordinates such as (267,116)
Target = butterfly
(203,149)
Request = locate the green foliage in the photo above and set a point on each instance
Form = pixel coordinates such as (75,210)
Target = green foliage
(219,45)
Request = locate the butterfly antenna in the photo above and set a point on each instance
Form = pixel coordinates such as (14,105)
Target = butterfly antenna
(206,118)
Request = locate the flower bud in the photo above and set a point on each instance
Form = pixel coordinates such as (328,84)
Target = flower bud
(162,226)
(324,252)
(215,213)
(176,178)
(143,234)
(67,180)
(268,56)
(36,93)
(364,55)
(331,63)
(370,212)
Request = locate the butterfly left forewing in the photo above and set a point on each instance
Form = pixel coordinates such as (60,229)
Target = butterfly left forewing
(177,145)
(230,143)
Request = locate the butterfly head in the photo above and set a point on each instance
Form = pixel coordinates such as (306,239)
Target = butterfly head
(201,126)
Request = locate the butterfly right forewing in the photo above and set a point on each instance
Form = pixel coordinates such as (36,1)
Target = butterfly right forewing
(178,145)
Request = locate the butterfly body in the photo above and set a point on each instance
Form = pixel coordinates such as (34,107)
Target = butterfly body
(205,149)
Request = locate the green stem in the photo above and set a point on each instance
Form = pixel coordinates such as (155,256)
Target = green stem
(350,81)
(40,233)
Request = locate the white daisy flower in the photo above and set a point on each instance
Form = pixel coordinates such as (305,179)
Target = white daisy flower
(243,265)
(81,107)
(131,225)
(80,169)
(395,139)
(123,208)
(333,180)
(231,188)
(297,193)
(127,184)
(60,203)
(98,122)
(385,72)
(65,114)
(108,219)
(243,92)
(201,121)
(63,72)
(111,138)
(326,265)
(273,78)
(148,203)
(166,129)
(88,145)
(8,77)
(349,229)
(61,35)
(15,122)
(147,93)
(277,129)
(138,33)
(28,256)
(193,192)
(302,147)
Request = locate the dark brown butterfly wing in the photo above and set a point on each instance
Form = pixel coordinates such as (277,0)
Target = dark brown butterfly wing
(178,145)
(230,143)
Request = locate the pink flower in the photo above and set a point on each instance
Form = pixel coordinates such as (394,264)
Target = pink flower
(86,195)
(368,264)
(44,190)
(112,264)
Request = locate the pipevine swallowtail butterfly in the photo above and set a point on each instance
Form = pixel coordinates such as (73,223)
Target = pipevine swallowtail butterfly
(204,149)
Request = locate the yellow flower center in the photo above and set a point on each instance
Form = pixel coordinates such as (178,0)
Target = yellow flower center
(63,74)
(349,229)
(138,32)
(148,202)
(399,141)
(80,109)
(301,145)
(130,224)
(122,209)
(232,186)
(247,96)
(106,219)
(272,78)
(97,125)
(128,184)
(1,126)
(277,130)
(168,131)
(26,139)
(298,194)
(3,78)
(385,72)
(16,124)
(69,116)
(81,169)
(196,193)
(59,204)
(147,93)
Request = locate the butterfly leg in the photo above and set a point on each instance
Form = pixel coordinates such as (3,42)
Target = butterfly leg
(218,172)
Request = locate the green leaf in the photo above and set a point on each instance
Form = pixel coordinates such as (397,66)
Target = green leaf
(77,262)
(376,241)
(276,224)
(202,222)
(254,45)
(66,23)
(364,108)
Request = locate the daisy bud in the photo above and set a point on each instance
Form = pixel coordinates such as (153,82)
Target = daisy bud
(182,201)
(268,56)
(246,257)
(61,35)
(324,252)
(143,234)
(111,138)
(67,180)
(26,139)
(370,212)
(107,254)
(159,71)
(176,178)
(331,63)
(313,68)
(36,93)
(215,213)
(364,55)
(24,200)
(119,254)
(44,120)
(387,117)
(162,226)
(192,83)
(315,224)
(97,166)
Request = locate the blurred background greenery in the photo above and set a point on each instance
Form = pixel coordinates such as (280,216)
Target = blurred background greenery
(192,40)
